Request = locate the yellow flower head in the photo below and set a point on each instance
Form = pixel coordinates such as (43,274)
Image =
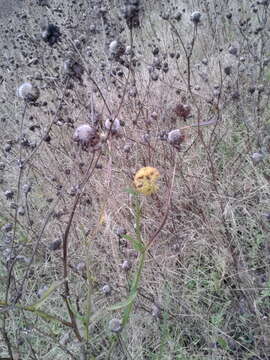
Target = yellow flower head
(145,180)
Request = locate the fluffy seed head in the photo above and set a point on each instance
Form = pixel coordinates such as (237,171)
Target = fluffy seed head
(86,135)
(28,92)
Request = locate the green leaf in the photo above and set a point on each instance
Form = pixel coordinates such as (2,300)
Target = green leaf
(137,244)
(125,303)
(131,191)
(222,343)
(46,295)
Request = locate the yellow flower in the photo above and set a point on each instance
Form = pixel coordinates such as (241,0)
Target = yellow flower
(145,180)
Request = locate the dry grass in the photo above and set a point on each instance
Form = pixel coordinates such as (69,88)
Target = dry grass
(204,289)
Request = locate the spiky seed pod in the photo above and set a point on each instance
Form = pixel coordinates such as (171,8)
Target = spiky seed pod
(195,17)
(115,325)
(28,92)
(86,136)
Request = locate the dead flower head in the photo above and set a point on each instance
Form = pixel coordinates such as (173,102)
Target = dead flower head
(145,180)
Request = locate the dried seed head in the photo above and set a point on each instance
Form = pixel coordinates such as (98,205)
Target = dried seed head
(112,125)
(21,211)
(28,92)
(154,115)
(228,70)
(257,157)
(116,49)
(86,136)
(7,227)
(106,289)
(115,325)
(26,188)
(156,311)
(81,267)
(175,137)
(154,76)
(55,245)
(195,17)
(120,231)
(182,110)
(50,33)
(233,50)
(9,194)
(126,265)
(65,339)
(127,148)
(2,166)
(42,291)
